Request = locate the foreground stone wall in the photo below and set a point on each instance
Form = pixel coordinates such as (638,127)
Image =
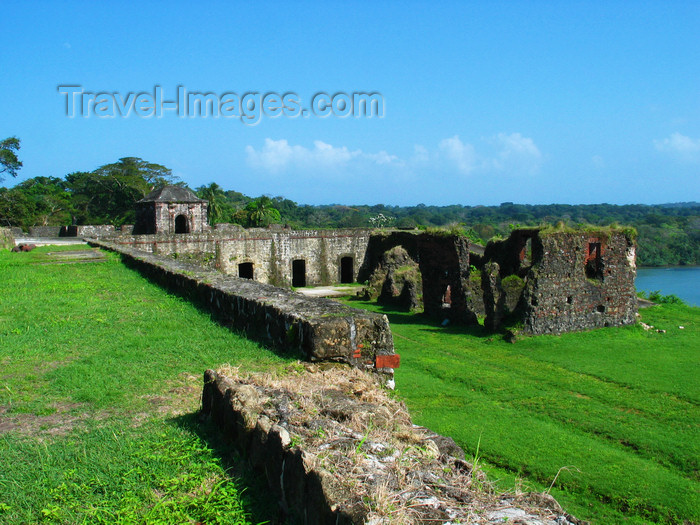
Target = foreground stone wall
(321,329)
(7,240)
(271,253)
(336,449)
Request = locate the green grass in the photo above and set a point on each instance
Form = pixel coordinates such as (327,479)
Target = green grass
(100,377)
(100,373)
(617,407)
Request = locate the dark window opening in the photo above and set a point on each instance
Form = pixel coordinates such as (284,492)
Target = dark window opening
(298,273)
(181,225)
(569,299)
(245,270)
(600,309)
(594,264)
(346,270)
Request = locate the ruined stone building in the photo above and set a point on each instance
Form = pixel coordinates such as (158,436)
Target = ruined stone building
(169,210)
(537,281)
(549,281)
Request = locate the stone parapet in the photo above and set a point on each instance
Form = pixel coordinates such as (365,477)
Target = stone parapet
(321,329)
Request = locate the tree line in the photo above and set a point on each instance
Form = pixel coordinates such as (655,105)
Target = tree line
(668,234)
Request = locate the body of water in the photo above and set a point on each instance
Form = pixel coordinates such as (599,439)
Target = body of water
(683,281)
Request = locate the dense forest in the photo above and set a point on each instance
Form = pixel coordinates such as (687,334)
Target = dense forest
(669,234)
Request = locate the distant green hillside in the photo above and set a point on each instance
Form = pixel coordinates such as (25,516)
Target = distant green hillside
(669,234)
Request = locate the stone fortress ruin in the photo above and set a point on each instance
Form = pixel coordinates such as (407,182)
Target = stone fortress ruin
(327,439)
(538,281)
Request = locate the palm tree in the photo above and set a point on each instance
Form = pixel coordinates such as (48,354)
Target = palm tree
(261,212)
(215,195)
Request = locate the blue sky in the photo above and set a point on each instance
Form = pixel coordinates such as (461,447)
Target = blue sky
(484,102)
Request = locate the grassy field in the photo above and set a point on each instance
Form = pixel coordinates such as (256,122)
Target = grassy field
(100,373)
(608,418)
(100,376)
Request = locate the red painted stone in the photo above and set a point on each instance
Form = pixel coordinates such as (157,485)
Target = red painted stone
(387,361)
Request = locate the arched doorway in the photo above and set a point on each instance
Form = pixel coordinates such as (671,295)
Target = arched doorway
(181,225)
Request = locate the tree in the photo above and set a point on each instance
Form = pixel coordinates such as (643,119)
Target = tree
(16,209)
(51,201)
(261,212)
(137,174)
(108,195)
(9,163)
(218,208)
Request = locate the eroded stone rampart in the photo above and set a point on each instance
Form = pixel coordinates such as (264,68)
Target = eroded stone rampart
(321,329)
(336,449)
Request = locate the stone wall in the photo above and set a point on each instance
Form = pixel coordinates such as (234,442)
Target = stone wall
(336,449)
(559,295)
(270,252)
(7,240)
(321,329)
(561,281)
(443,260)
(45,231)
(87,230)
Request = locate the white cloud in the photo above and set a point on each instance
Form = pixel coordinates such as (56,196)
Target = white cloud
(461,154)
(516,153)
(278,155)
(504,153)
(420,155)
(680,146)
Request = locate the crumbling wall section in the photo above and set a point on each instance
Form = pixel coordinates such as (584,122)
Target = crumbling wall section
(443,260)
(550,282)
(563,294)
(397,281)
(336,449)
(321,329)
